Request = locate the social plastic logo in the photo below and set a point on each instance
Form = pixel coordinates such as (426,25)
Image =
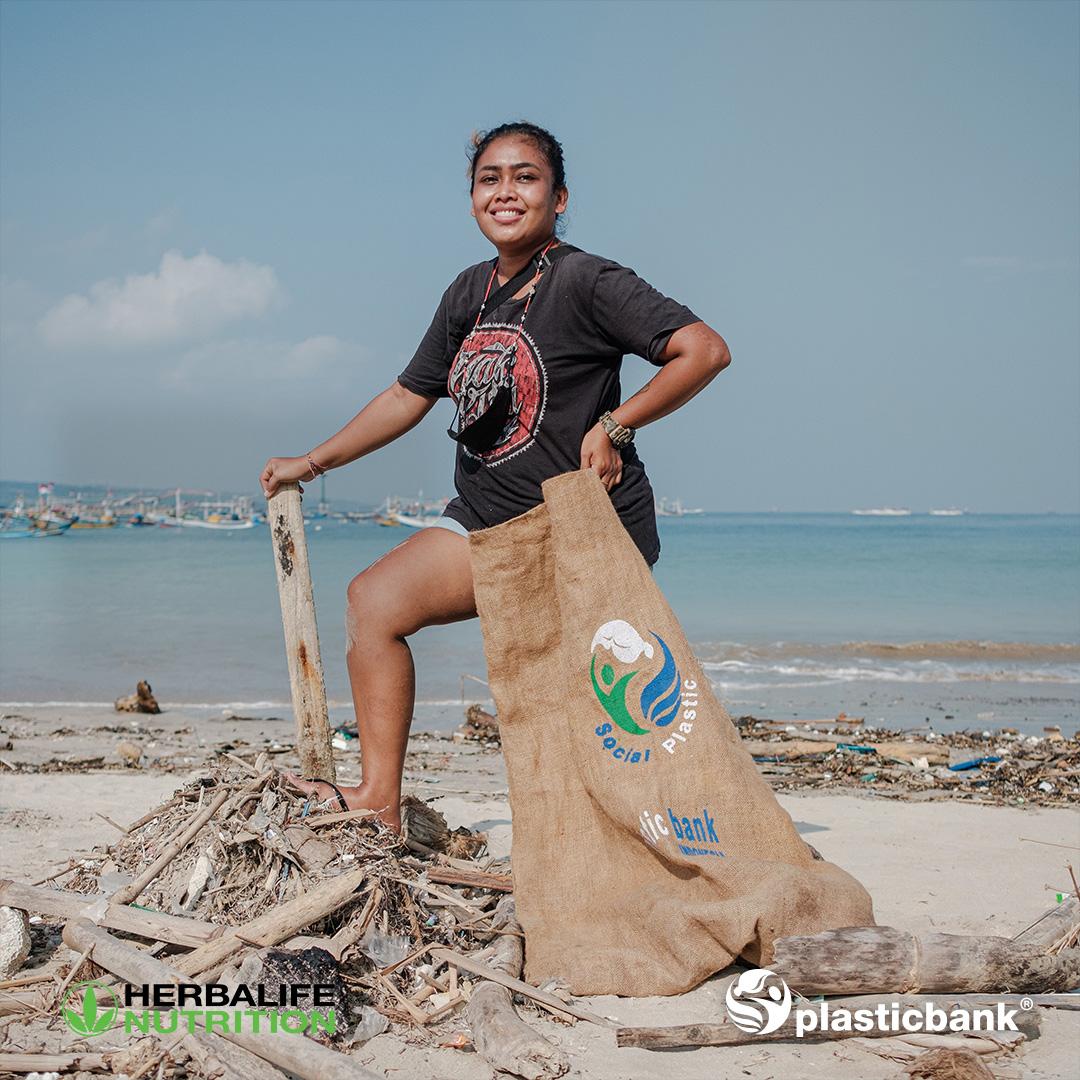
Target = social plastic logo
(659,700)
(758,1002)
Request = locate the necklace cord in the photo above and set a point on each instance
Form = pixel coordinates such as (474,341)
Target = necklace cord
(532,290)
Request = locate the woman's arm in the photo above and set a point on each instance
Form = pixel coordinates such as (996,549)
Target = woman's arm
(693,357)
(383,419)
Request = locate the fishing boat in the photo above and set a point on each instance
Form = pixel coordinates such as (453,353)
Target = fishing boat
(16,529)
(413,513)
(322,510)
(675,508)
(417,522)
(16,525)
(49,517)
(224,515)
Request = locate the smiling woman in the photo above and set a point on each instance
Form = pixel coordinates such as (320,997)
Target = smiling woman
(529,346)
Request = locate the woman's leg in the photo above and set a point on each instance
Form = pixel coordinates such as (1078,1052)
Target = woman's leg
(424,581)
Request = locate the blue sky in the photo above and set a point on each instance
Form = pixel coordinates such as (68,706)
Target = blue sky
(226,226)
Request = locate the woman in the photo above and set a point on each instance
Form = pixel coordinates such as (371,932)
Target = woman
(529,346)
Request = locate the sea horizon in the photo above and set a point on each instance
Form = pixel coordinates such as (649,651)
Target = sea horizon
(970,620)
(9,489)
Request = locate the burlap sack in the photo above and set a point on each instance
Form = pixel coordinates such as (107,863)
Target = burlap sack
(648,851)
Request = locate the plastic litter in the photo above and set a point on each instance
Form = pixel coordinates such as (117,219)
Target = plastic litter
(371,1023)
(385,949)
(974,763)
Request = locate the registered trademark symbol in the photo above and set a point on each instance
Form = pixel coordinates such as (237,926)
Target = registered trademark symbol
(1026,1004)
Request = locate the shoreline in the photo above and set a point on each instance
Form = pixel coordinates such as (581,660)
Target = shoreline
(842,753)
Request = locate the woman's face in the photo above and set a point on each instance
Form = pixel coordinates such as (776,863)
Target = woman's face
(512,197)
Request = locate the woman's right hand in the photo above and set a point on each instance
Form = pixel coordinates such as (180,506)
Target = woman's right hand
(282,470)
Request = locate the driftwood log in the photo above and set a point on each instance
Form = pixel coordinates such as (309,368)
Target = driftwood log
(423,824)
(473,879)
(39,1063)
(727,1034)
(549,1001)
(301,634)
(217,1058)
(152,925)
(302,1057)
(882,959)
(142,701)
(500,1036)
(1052,925)
(275,926)
(479,724)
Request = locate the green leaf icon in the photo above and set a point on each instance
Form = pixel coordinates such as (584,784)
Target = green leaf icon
(89,1008)
(92,1020)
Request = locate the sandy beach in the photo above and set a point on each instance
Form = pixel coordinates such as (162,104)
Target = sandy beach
(942,866)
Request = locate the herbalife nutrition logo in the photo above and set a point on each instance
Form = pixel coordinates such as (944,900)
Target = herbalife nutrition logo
(90,1008)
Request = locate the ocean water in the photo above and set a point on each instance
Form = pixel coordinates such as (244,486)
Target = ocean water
(969,621)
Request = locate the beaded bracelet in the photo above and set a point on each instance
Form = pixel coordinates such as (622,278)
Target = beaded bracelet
(316,470)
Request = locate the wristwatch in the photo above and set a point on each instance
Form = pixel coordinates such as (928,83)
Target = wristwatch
(620,436)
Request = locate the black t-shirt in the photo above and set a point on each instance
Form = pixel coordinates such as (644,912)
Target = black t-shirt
(562,370)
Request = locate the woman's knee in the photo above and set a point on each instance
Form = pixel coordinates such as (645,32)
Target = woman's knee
(414,586)
(368,610)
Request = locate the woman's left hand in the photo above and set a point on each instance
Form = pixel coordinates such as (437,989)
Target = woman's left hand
(598,454)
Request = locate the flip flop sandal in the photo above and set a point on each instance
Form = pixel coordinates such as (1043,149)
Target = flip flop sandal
(337,791)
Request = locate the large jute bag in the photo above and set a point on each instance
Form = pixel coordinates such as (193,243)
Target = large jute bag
(648,851)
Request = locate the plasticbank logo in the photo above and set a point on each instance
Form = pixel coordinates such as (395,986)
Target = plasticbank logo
(760,1003)
(664,698)
(90,1008)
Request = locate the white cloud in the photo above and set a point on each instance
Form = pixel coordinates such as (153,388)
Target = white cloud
(313,353)
(184,299)
(253,362)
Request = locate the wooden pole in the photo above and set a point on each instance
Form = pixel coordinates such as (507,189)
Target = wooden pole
(296,1054)
(301,634)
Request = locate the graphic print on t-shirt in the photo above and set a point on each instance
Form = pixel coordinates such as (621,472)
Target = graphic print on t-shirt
(495,356)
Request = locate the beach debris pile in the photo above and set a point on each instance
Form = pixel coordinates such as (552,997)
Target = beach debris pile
(480,727)
(239,879)
(1002,767)
(142,701)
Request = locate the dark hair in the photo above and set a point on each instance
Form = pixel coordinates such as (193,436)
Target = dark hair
(543,140)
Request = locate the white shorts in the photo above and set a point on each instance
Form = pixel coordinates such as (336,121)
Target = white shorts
(449,523)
